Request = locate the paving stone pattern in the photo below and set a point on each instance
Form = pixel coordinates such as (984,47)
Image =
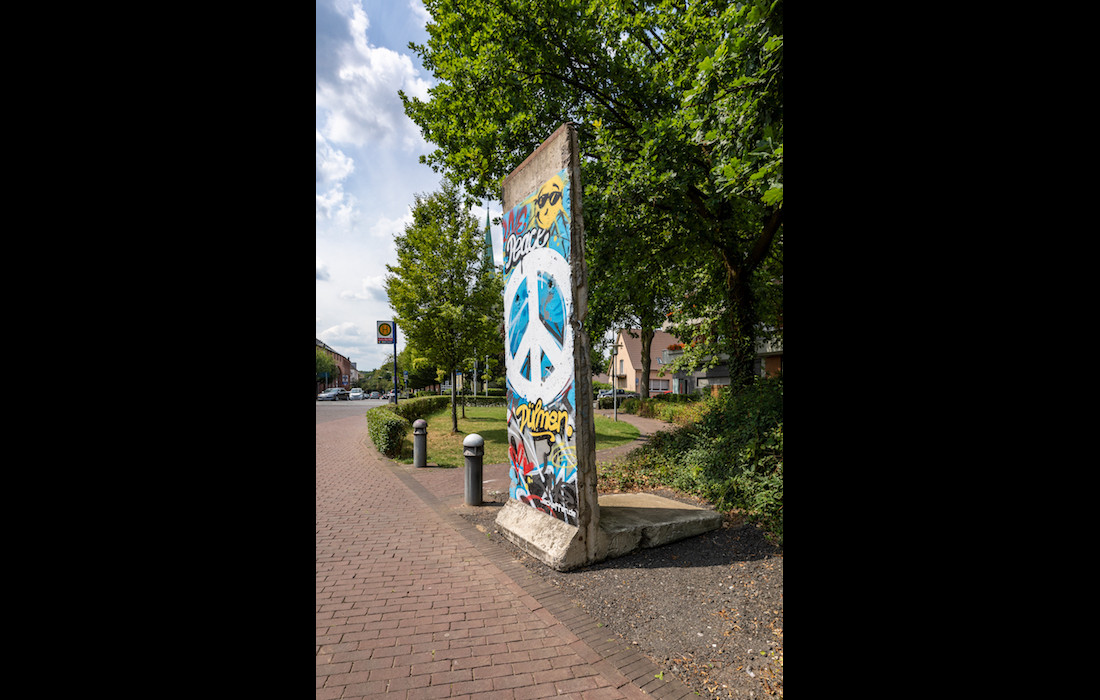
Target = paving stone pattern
(414,602)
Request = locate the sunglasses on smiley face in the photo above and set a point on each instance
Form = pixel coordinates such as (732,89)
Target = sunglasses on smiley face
(549,198)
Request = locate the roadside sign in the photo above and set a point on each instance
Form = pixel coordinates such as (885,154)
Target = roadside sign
(386,332)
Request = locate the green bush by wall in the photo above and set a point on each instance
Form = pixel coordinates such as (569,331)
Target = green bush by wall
(388,425)
(387,430)
(731,455)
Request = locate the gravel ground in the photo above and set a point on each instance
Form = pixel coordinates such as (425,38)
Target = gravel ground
(707,609)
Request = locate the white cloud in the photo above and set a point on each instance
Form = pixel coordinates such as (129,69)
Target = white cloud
(333,165)
(340,333)
(337,210)
(360,104)
(373,289)
(368,169)
(419,11)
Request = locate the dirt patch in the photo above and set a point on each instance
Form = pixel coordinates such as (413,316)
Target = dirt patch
(707,609)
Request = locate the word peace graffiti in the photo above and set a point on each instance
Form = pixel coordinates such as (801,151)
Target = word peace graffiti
(516,247)
(546,214)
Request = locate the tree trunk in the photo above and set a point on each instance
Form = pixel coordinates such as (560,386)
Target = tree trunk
(647,342)
(741,325)
(454,410)
(741,315)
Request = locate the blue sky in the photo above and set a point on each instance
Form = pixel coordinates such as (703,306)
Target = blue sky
(368,168)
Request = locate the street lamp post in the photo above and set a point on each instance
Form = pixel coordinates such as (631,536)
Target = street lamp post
(614,378)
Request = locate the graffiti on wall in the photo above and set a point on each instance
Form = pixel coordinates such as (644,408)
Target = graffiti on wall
(539,351)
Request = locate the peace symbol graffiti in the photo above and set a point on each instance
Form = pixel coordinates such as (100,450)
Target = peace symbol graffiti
(539,360)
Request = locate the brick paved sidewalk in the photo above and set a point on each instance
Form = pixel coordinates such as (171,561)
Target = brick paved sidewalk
(413,602)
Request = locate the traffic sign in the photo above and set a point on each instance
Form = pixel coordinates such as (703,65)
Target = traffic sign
(386,332)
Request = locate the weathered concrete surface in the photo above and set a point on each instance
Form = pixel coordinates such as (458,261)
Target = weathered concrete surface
(553,542)
(628,521)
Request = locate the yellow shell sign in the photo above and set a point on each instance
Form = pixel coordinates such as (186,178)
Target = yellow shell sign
(385,332)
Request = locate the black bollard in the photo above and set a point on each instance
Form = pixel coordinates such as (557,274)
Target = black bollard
(420,443)
(473,449)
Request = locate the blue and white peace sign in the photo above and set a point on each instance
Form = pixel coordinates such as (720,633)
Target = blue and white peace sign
(537,300)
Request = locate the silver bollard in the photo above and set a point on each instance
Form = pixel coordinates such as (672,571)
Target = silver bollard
(473,449)
(420,443)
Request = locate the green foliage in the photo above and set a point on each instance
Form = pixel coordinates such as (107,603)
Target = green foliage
(679,113)
(732,455)
(387,430)
(446,299)
(326,366)
(423,406)
(680,409)
(629,405)
(609,402)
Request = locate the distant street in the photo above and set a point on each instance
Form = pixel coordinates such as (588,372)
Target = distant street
(335,410)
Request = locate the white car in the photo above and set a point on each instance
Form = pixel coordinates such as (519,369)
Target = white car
(356,393)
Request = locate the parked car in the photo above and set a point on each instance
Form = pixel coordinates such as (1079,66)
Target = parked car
(333,394)
(374,395)
(356,394)
(621,393)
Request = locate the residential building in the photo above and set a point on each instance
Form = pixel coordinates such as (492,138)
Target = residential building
(768,363)
(344,370)
(626,370)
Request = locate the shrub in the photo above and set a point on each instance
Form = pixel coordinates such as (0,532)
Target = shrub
(681,409)
(412,409)
(609,402)
(628,405)
(732,455)
(387,430)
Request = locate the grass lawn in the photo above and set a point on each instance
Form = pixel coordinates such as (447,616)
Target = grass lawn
(491,423)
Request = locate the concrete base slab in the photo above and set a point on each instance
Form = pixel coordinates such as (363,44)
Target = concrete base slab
(630,521)
(551,541)
(627,522)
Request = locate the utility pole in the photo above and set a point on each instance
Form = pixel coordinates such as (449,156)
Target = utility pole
(395,363)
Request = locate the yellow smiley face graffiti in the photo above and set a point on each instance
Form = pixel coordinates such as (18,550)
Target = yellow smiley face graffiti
(548,202)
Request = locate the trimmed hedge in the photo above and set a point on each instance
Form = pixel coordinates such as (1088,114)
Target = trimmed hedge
(387,430)
(389,425)
(608,402)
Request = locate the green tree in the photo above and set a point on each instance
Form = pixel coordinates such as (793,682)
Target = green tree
(421,370)
(679,111)
(443,295)
(326,366)
(629,277)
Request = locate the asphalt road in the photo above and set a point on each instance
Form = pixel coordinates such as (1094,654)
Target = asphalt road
(335,410)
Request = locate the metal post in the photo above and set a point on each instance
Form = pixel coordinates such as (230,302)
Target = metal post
(420,443)
(473,449)
(615,379)
(395,363)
